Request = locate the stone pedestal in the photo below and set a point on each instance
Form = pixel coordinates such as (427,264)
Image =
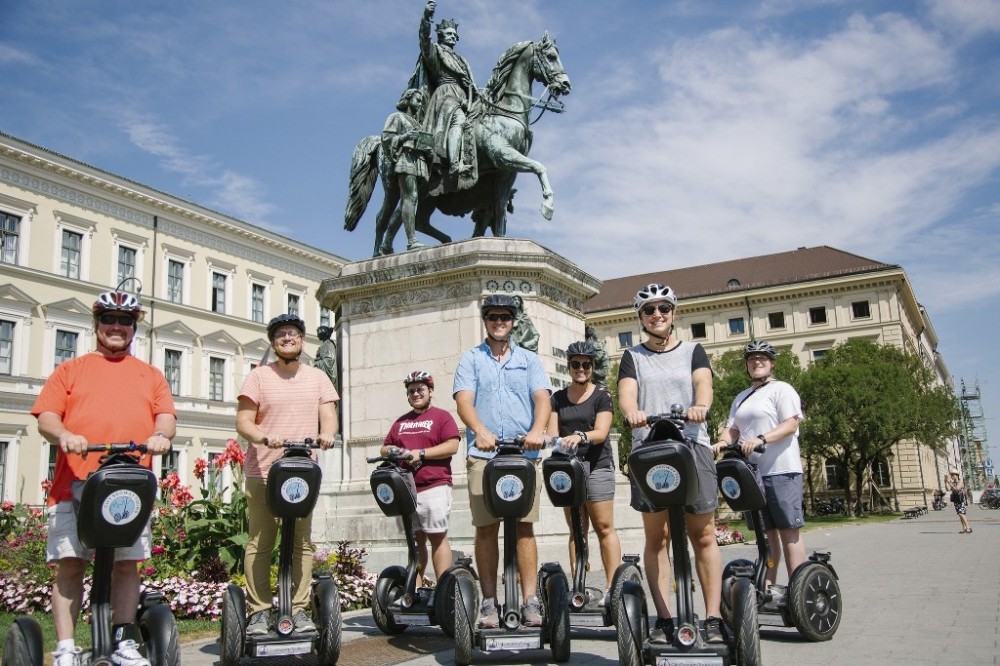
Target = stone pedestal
(420,310)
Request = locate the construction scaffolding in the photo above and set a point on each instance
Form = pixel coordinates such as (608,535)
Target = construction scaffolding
(972,438)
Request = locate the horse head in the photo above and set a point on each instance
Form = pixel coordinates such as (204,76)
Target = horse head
(548,68)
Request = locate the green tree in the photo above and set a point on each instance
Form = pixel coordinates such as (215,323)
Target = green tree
(618,421)
(862,398)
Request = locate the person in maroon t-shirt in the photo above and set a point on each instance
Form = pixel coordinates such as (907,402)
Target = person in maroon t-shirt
(432,434)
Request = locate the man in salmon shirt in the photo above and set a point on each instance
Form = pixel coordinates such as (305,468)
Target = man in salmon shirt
(102,397)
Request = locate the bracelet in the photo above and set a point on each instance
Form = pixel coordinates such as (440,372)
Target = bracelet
(583,436)
(762,438)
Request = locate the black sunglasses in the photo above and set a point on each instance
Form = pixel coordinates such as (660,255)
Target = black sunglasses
(576,365)
(662,308)
(499,317)
(121,320)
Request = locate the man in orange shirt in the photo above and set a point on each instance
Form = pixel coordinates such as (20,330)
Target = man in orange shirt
(102,397)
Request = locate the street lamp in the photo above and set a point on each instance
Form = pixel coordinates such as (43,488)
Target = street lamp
(890,456)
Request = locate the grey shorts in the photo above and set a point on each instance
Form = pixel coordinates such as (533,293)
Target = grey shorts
(601,485)
(62,540)
(433,510)
(783,493)
(707,500)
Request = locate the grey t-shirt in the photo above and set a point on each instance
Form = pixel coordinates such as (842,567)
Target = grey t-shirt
(665,378)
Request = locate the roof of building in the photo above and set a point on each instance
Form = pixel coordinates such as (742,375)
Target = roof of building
(802,265)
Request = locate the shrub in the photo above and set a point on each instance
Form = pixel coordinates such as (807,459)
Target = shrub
(726,536)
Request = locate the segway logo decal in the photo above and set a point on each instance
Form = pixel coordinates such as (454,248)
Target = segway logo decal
(663,478)
(730,487)
(294,490)
(560,482)
(121,507)
(509,488)
(384,493)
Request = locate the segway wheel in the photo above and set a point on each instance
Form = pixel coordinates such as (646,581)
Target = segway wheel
(388,588)
(326,609)
(557,616)
(463,630)
(159,636)
(626,571)
(814,602)
(744,623)
(728,579)
(23,644)
(234,618)
(631,629)
(444,598)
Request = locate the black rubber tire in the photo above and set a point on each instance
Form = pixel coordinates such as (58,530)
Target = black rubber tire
(326,612)
(814,602)
(745,624)
(234,619)
(380,602)
(727,602)
(444,598)
(463,631)
(629,637)
(557,616)
(626,571)
(160,641)
(23,644)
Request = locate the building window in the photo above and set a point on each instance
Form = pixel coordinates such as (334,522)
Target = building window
(53,452)
(6,347)
(819,353)
(216,378)
(126,262)
(775,320)
(861,310)
(69,265)
(698,330)
(324,316)
(293,304)
(172,370)
(218,292)
(10,232)
(836,475)
(736,326)
(625,339)
(170,462)
(257,303)
(65,345)
(817,315)
(175,281)
(880,473)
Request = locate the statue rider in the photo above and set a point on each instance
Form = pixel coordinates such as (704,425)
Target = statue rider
(449,78)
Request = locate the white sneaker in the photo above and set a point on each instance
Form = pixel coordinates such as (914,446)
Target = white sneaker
(68,657)
(128,654)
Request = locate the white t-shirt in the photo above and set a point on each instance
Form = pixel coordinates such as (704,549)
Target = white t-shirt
(772,403)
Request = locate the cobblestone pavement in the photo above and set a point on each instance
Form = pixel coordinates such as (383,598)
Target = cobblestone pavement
(916,592)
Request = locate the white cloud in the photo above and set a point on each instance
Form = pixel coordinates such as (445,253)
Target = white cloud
(968,17)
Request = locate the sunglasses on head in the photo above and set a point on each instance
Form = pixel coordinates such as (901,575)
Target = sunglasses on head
(121,320)
(576,365)
(499,317)
(662,308)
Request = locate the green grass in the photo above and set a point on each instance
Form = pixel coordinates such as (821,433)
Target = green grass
(189,630)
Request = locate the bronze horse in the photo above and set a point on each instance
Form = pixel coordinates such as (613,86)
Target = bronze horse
(502,137)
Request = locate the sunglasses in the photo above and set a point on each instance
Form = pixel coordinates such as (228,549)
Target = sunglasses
(416,390)
(662,308)
(121,320)
(576,365)
(294,335)
(499,317)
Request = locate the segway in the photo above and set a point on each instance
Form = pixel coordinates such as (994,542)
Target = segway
(293,484)
(114,507)
(566,484)
(811,602)
(397,602)
(509,491)
(663,468)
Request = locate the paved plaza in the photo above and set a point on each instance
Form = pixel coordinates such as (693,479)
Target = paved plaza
(916,592)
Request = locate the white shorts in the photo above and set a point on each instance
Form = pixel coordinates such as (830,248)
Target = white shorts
(63,541)
(433,510)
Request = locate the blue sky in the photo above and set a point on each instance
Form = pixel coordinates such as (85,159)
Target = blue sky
(697,131)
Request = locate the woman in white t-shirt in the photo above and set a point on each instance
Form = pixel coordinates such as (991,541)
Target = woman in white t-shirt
(769,412)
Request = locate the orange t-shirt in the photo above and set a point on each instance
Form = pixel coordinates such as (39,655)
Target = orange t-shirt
(105,400)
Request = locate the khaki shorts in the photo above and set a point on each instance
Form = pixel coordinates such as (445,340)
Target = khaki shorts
(63,541)
(477,505)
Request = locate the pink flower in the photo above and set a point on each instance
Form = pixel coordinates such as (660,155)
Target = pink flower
(159,550)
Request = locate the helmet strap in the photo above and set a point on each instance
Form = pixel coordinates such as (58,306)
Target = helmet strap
(503,343)
(662,341)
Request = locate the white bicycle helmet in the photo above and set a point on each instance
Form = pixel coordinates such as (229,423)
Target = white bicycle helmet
(419,376)
(654,292)
(759,347)
(118,301)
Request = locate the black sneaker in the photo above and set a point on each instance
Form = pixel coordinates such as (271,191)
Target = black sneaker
(663,631)
(715,630)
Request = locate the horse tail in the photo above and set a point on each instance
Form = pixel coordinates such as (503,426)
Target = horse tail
(364,172)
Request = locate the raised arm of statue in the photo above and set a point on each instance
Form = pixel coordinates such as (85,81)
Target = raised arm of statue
(424,36)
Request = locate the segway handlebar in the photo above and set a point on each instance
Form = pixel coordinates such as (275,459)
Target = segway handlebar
(115,447)
(307,443)
(735,448)
(395,455)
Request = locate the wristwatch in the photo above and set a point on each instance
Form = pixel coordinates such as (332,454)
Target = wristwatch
(582,435)
(762,438)
(423,455)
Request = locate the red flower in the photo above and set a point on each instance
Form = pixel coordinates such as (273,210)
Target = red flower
(199,468)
